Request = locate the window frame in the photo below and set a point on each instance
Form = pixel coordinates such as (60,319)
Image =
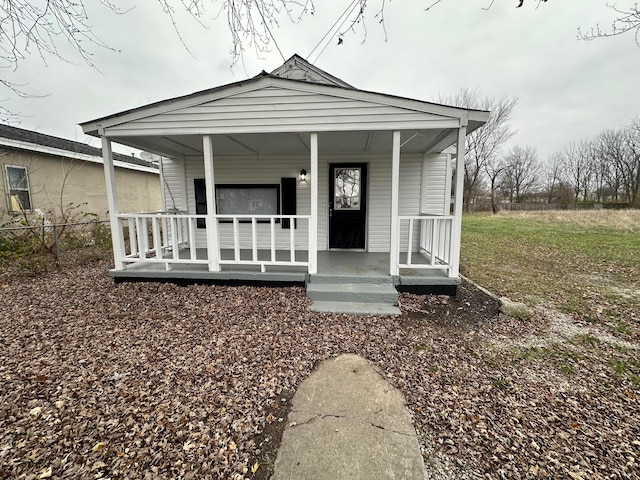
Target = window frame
(10,189)
(201,207)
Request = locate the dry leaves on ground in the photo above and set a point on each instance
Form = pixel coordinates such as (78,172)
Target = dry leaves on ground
(161,381)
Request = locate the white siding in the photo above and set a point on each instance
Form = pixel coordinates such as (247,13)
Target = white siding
(269,170)
(273,109)
(253,170)
(174,184)
(435,178)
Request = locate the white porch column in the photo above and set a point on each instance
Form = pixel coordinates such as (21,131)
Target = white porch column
(456,229)
(112,202)
(395,189)
(313,221)
(213,250)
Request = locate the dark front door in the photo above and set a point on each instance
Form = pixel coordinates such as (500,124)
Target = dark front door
(347,205)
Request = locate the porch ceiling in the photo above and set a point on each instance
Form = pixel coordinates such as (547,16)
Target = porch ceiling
(330,143)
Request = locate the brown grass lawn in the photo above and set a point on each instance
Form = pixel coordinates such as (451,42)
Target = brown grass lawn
(585,263)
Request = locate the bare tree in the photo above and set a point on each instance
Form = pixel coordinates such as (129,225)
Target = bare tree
(552,176)
(578,168)
(494,170)
(630,164)
(609,152)
(483,146)
(626,20)
(522,175)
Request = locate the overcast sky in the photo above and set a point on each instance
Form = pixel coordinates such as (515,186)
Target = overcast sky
(568,90)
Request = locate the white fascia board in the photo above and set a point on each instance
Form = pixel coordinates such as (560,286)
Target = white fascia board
(329,127)
(32,147)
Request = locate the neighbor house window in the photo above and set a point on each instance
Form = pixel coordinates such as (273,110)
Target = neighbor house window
(240,199)
(18,189)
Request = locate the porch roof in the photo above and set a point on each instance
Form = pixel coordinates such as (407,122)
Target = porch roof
(272,113)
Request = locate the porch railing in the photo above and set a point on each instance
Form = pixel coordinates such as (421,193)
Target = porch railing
(432,247)
(292,259)
(170,238)
(158,237)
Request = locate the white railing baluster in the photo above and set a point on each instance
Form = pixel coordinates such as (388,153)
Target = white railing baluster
(175,249)
(192,238)
(165,233)
(133,237)
(273,239)
(140,232)
(434,230)
(254,240)
(423,236)
(236,240)
(147,243)
(448,243)
(122,251)
(156,237)
(185,231)
(292,240)
(410,241)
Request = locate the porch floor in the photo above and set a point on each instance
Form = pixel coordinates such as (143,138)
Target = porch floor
(337,264)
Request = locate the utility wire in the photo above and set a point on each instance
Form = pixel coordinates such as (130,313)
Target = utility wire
(355,4)
(344,16)
(350,7)
(269,31)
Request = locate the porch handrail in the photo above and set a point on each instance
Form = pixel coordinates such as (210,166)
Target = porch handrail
(259,217)
(434,240)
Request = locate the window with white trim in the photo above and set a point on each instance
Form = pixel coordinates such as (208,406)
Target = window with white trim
(18,193)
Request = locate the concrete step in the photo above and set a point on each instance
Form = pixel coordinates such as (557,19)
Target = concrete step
(352,292)
(355,308)
(370,280)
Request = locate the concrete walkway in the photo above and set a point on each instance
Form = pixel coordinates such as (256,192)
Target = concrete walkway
(348,422)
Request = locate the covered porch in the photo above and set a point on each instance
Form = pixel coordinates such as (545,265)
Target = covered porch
(422,246)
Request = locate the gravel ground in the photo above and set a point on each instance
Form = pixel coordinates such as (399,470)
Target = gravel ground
(161,381)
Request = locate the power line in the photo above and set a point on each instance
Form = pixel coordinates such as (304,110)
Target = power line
(331,29)
(346,12)
(269,31)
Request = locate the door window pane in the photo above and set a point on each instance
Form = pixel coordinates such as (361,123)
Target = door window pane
(347,189)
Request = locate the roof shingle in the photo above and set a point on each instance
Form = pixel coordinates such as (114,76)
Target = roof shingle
(29,136)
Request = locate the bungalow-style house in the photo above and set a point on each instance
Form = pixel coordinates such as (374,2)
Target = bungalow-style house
(296,176)
(42,174)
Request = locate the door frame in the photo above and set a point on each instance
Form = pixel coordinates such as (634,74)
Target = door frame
(367,183)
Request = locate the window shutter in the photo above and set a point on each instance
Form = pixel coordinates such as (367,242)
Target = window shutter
(201,201)
(288,200)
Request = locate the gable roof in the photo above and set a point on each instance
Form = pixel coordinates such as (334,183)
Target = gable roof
(267,113)
(297,68)
(19,138)
(305,73)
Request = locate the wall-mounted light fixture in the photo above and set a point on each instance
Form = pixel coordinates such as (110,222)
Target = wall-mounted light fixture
(303,175)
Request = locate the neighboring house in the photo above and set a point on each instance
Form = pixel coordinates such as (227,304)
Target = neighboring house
(362,177)
(43,174)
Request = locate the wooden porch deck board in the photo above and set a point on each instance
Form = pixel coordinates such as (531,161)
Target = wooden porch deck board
(338,264)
